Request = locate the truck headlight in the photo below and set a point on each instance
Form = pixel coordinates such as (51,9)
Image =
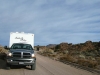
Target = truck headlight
(9,54)
(33,55)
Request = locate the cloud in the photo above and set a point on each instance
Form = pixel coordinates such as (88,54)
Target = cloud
(71,2)
(51,21)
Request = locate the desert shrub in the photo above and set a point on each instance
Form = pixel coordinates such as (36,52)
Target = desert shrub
(3,56)
(98,60)
(40,51)
(65,52)
(68,58)
(46,52)
(2,50)
(3,53)
(57,48)
(82,56)
(87,63)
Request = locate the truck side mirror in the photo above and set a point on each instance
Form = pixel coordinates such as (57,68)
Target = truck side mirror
(5,47)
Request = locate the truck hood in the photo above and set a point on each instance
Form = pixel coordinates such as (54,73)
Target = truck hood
(21,50)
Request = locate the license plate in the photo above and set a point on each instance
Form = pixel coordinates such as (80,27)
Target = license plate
(21,62)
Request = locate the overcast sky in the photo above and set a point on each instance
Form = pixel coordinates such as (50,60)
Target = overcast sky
(51,21)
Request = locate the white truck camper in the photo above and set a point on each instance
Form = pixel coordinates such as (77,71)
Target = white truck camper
(21,37)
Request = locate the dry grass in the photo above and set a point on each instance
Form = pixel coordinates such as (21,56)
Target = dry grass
(69,58)
(88,63)
(3,53)
(2,50)
(46,51)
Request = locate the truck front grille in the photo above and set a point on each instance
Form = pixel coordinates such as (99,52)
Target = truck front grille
(21,55)
(17,54)
(26,55)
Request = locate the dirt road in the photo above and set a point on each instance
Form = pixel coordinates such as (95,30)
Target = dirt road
(46,66)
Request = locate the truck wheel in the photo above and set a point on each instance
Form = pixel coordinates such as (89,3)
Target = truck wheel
(33,67)
(8,67)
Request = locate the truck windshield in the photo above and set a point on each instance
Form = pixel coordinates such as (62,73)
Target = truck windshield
(22,46)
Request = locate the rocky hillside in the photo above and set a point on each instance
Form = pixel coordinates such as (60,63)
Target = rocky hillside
(85,54)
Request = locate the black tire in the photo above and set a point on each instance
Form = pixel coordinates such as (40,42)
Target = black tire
(8,67)
(33,67)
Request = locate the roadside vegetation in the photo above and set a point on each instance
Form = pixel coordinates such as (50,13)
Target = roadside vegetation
(85,54)
(3,54)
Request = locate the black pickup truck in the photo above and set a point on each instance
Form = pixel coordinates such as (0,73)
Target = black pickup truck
(21,54)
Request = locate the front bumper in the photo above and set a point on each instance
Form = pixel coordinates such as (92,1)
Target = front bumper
(21,61)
